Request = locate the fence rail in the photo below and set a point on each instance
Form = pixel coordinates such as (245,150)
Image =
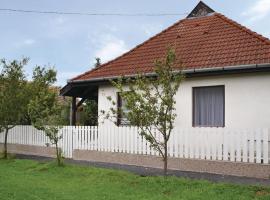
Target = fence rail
(28,135)
(252,146)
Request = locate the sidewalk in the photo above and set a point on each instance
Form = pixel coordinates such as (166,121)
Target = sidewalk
(143,171)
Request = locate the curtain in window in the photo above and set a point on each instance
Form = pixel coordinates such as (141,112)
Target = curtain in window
(122,116)
(208,106)
(125,111)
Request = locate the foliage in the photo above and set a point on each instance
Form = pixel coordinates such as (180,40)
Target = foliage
(150,102)
(31,180)
(90,113)
(13,98)
(98,62)
(45,110)
(18,96)
(65,110)
(43,78)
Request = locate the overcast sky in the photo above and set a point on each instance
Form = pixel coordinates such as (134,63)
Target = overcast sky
(71,43)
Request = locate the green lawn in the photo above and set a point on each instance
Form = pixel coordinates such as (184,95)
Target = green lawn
(25,179)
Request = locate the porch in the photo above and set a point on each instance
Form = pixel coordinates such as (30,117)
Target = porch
(79,92)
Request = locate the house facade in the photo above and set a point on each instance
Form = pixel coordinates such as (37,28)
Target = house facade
(244,101)
(227,69)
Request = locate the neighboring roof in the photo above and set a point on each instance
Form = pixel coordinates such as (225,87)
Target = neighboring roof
(209,41)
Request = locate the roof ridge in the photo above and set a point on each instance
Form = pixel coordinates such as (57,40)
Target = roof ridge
(244,28)
(134,48)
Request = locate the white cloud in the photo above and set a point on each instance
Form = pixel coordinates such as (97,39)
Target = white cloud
(24,43)
(59,28)
(259,10)
(29,41)
(59,20)
(152,29)
(110,47)
(63,77)
(110,28)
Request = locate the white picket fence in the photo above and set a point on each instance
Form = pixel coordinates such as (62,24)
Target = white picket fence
(28,135)
(251,146)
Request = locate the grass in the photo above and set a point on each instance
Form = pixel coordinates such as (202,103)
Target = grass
(31,180)
(9,155)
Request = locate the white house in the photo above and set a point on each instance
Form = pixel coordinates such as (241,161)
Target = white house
(227,68)
(227,85)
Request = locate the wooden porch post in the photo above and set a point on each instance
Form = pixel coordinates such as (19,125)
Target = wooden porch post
(74,109)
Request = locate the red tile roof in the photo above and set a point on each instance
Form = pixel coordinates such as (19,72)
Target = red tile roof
(204,42)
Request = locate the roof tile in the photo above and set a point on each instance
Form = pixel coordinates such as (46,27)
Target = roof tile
(211,41)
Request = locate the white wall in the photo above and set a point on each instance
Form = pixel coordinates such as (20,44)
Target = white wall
(104,104)
(247,99)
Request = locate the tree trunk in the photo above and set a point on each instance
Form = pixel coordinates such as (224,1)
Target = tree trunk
(57,154)
(5,144)
(165,159)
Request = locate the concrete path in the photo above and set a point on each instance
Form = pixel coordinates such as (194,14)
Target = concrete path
(144,171)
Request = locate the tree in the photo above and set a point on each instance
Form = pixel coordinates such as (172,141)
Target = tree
(150,102)
(98,62)
(90,113)
(45,110)
(13,99)
(65,103)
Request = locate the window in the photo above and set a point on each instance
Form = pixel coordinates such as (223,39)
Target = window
(122,116)
(209,106)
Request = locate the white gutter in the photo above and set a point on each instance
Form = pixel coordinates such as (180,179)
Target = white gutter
(186,71)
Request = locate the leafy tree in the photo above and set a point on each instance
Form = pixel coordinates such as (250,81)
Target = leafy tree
(13,99)
(65,110)
(45,110)
(64,103)
(90,113)
(150,103)
(98,62)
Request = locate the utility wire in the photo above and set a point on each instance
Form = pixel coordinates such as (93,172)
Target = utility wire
(92,14)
